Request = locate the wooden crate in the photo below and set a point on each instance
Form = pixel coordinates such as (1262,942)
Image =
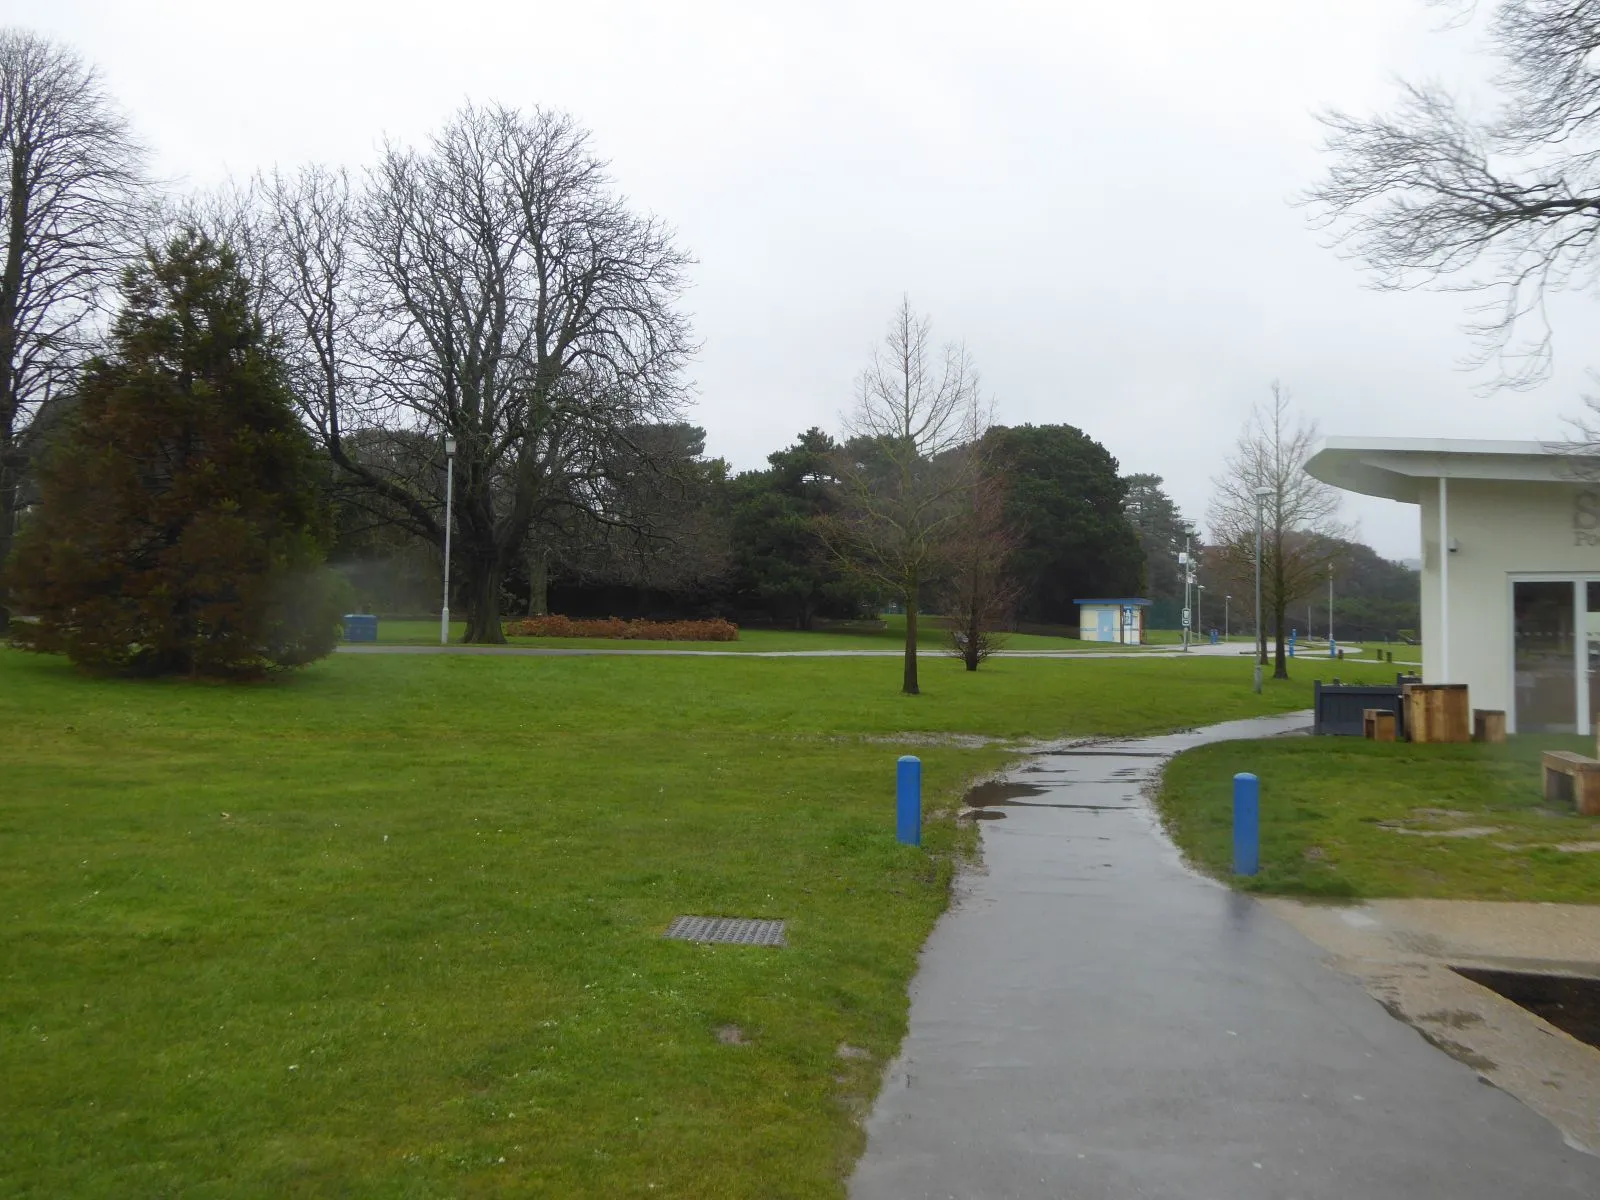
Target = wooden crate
(1378,724)
(1488,725)
(1437,712)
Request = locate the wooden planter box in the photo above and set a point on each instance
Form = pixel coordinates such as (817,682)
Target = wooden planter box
(1488,725)
(1437,712)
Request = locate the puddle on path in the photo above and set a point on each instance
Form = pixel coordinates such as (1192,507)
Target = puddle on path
(981,801)
(1001,791)
(1109,754)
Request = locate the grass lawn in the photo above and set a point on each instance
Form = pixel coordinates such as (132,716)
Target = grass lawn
(1346,817)
(892,638)
(391,927)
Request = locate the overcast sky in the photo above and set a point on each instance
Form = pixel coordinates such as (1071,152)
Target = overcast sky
(1094,197)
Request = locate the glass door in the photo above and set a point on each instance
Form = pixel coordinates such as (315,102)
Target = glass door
(1590,684)
(1544,654)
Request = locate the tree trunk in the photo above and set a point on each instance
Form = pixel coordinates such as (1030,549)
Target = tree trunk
(909,687)
(1280,661)
(538,583)
(1280,606)
(7,526)
(483,602)
(12,461)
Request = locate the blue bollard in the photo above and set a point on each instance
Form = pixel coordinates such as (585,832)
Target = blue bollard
(1246,824)
(908,801)
(1333,648)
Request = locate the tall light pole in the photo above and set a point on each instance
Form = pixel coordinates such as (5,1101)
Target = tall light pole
(449,499)
(1330,605)
(1227,603)
(1186,561)
(1200,606)
(1261,634)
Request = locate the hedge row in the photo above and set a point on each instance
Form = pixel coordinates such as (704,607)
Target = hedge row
(716,630)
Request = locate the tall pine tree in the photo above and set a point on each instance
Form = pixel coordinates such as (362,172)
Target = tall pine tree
(180,528)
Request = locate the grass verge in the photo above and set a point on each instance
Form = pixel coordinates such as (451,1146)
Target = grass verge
(1346,817)
(391,927)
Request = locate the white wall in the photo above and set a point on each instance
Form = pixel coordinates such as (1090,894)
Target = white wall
(1502,529)
(1089,621)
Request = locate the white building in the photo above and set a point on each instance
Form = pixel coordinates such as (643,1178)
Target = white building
(1510,567)
(1112,620)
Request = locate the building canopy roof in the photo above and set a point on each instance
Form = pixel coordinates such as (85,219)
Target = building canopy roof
(1403,468)
(1128,600)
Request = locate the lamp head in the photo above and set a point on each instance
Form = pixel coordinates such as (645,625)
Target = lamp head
(1263,492)
(450,444)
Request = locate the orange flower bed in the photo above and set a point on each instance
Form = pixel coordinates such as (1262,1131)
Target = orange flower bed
(716,630)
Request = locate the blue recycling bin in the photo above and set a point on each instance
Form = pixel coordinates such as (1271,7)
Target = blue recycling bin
(360,627)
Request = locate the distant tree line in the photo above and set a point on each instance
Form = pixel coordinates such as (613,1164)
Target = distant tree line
(268,377)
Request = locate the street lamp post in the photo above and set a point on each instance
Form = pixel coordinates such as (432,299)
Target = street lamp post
(449,499)
(1227,603)
(1200,607)
(1186,561)
(1330,606)
(1261,634)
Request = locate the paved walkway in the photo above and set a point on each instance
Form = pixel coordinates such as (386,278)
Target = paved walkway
(1404,952)
(1091,1020)
(652,652)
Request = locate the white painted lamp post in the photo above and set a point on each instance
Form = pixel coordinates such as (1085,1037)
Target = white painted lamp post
(1261,634)
(449,497)
(1330,607)
(1186,561)
(1200,608)
(1227,604)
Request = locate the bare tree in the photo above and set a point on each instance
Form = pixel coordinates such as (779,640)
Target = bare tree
(1298,515)
(72,179)
(1506,204)
(664,530)
(489,287)
(982,590)
(901,482)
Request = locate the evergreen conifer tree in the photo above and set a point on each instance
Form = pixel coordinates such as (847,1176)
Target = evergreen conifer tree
(180,528)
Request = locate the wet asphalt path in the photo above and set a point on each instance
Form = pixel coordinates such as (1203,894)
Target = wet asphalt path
(1091,1020)
(656,652)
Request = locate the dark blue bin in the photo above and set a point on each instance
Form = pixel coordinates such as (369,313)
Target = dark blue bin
(360,627)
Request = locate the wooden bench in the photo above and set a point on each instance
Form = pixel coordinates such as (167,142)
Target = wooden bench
(1377,724)
(1573,778)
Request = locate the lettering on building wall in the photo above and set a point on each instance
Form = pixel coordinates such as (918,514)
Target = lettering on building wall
(1586,518)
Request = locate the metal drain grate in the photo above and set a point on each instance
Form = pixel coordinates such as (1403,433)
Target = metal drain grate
(738,931)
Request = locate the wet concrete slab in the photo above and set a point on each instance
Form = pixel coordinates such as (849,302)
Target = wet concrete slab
(1411,955)
(1092,1020)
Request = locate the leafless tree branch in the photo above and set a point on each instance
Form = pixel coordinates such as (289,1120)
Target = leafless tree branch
(1507,205)
(69,214)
